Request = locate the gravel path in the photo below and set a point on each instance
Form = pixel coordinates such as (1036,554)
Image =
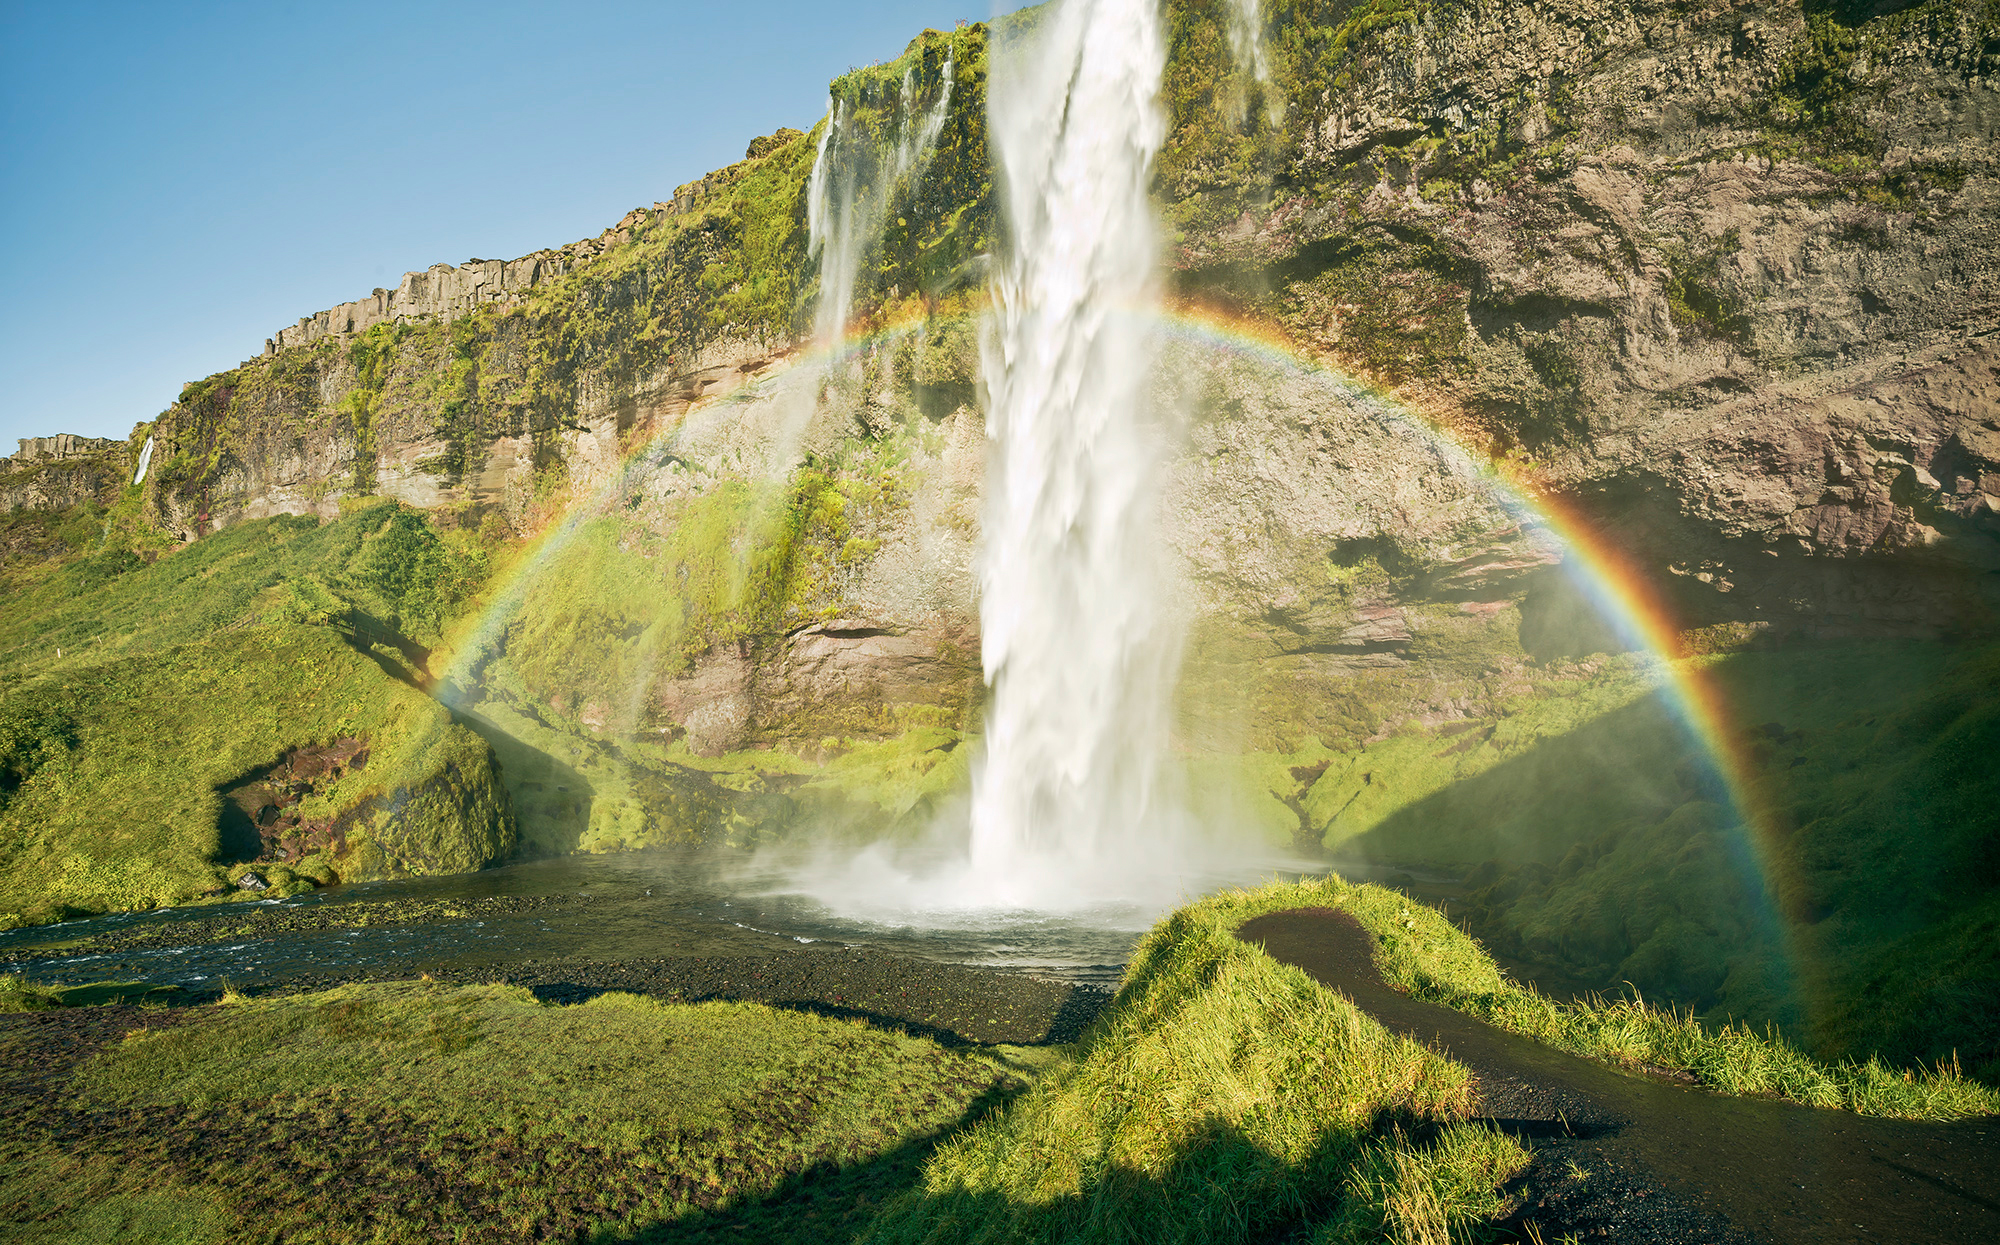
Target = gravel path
(1632,1158)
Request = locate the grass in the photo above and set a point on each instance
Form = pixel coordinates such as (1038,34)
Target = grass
(1422,952)
(1600,848)
(380,558)
(1223,1097)
(400,1112)
(132,692)
(115,812)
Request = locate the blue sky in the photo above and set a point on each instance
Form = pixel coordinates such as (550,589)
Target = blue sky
(178,181)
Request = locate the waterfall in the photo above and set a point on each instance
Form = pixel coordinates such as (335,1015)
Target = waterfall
(852,182)
(1246,39)
(1079,646)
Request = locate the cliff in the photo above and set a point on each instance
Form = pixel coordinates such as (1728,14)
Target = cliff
(1716,276)
(63,471)
(1713,279)
(1719,273)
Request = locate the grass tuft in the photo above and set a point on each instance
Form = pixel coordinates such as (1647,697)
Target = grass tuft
(414,1112)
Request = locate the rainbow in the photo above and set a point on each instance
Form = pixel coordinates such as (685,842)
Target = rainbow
(505,594)
(1619,589)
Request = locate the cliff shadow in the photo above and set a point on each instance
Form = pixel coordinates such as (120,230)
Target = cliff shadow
(1220,1184)
(828,1201)
(370,636)
(552,799)
(1856,912)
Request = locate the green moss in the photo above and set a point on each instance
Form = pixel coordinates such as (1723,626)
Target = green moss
(1601,848)
(1698,294)
(1816,105)
(390,564)
(250,642)
(615,1117)
(132,816)
(1362,791)
(1391,306)
(1222,1097)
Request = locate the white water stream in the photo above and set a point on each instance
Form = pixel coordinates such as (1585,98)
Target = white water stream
(850,188)
(1071,802)
(1246,38)
(1076,812)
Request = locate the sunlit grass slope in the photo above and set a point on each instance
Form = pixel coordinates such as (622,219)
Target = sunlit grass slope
(106,600)
(1224,1097)
(131,692)
(115,802)
(391,1113)
(1227,1097)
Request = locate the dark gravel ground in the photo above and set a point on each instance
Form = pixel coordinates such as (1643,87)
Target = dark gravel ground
(950,1003)
(235,922)
(954,1004)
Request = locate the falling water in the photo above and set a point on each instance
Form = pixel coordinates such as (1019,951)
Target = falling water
(1070,803)
(1246,38)
(851,184)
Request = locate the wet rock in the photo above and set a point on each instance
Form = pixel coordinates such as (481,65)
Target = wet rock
(252,881)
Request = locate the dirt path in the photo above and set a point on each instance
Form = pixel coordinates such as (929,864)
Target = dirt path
(1673,1163)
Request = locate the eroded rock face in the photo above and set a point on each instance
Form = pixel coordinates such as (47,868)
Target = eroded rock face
(306,814)
(1738,318)
(55,473)
(261,815)
(1721,273)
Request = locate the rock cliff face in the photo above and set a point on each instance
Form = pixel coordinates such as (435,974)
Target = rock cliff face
(1722,272)
(56,473)
(1720,275)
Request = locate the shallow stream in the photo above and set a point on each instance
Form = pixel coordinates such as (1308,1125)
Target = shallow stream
(609,908)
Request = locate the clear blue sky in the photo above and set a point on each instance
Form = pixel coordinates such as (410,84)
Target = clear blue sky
(177,181)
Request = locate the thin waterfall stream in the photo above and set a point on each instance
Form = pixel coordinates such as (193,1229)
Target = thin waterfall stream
(855,173)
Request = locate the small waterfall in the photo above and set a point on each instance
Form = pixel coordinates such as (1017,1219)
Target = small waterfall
(855,174)
(145,461)
(1079,645)
(1246,38)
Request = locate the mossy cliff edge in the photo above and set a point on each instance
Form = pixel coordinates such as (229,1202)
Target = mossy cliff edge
(1711,275)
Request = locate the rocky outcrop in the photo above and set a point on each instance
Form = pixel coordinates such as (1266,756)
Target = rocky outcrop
(288,820)
(447,292)
(55,473)
(441,291)
(60,447)
(1722,274)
